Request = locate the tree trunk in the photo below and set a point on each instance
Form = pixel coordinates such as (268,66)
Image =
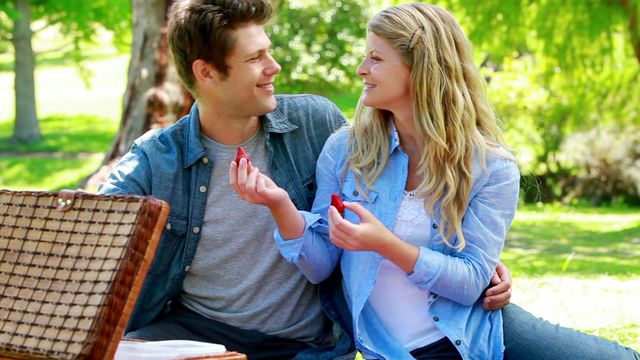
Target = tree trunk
(154,96)
(26,127)
(633,11)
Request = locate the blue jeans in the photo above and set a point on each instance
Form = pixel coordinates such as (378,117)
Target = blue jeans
(529,338)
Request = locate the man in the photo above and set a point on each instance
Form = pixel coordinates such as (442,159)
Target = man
(217,275)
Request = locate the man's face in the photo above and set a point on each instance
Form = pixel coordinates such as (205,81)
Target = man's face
(248,89)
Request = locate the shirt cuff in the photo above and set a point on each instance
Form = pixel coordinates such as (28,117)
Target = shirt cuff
(427,268)
(292,248)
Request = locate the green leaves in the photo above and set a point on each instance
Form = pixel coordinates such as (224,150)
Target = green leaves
(319,44)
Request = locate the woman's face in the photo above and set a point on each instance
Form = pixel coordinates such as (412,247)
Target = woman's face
(386,77)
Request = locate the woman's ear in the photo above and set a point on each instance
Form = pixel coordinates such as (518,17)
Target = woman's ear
(204,73)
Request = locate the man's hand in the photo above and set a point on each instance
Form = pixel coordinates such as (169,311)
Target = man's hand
(253,186)
(498,294)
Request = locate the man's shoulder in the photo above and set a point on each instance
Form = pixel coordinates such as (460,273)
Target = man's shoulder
(308,110)
(304,102)
(297,99)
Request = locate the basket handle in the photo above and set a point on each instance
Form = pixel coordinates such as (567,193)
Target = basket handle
(65,200)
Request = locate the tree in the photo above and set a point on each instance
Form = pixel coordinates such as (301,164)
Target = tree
(319,44)
(26,127)
(154,96)
(556,67)
(78,21)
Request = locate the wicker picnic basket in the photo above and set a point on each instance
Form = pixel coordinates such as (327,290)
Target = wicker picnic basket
(71,268)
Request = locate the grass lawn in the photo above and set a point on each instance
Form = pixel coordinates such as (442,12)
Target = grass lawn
(579,267)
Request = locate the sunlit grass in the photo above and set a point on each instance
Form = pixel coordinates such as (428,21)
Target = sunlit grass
(574,241)
(628,334)
(45,173)
(69,134)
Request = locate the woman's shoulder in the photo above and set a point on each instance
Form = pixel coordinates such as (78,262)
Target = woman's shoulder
(495,158)
(339,139)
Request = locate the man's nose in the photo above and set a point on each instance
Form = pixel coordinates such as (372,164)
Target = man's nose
(274,67)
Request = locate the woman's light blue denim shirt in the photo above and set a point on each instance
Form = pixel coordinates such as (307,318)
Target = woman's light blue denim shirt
(455,279)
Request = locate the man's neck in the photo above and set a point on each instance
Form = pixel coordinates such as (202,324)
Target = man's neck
(224,127)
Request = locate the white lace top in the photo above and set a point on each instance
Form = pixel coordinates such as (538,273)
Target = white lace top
(399,304)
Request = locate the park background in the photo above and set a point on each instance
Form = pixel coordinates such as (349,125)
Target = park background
(563,76)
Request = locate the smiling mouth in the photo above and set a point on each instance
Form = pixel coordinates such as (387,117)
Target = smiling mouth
(369,86)
(266,86)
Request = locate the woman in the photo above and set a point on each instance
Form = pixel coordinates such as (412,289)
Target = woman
(430,189)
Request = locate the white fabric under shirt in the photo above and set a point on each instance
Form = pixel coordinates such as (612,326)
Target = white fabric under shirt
(400,305)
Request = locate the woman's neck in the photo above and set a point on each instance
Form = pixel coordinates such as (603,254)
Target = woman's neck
(412,147)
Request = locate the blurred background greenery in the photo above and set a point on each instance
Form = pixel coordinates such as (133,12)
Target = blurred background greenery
(563,76)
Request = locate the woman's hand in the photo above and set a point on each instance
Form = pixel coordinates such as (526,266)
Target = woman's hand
(370,235)
(255,187)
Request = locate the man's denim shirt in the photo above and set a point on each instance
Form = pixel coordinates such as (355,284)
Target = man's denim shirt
(170,164)
(456,279)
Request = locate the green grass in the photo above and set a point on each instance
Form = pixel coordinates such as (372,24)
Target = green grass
(70,134)
(629,334)
(575,241)
(37,173)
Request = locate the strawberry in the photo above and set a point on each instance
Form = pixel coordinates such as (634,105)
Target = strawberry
(240,154)
(337,203)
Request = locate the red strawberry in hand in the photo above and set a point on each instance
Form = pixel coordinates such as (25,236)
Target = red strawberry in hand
(337,203)
(240,154)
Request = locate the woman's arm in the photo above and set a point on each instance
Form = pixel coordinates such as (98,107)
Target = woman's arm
(313,252)
(463,276)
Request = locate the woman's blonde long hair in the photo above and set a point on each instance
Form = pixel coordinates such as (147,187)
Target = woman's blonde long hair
(451,112)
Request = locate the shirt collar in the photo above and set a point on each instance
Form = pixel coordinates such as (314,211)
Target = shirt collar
(394,140)
(273,122)
(193,147)
(276,122)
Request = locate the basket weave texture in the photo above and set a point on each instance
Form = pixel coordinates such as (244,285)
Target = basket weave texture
(71,267)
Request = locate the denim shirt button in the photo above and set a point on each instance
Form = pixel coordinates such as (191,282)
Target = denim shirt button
(187,268)
(196,230)
(168,226)
(169,302)
(203,188)
(458,342)
(435,226)
(205,160)
(435,318)
(355,193)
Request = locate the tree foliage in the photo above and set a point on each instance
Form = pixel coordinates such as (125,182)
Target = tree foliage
(79,23)
(555,68)
(318,44)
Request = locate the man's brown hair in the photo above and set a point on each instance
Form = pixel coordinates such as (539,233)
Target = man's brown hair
(203,29)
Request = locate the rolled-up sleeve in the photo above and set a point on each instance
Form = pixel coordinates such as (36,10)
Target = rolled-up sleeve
(463,276)
(313,253)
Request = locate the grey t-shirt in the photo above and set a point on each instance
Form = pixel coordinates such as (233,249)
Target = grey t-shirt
(238,275)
